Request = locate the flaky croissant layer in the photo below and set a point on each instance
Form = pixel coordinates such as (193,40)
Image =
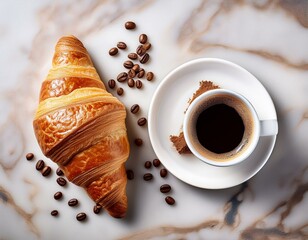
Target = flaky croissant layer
(81,127)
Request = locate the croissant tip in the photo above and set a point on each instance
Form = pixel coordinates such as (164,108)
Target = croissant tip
(69,40)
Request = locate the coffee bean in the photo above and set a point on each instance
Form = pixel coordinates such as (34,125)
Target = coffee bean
(136,68)
(130,174)
(149,76)
(131,73)
(59,172)
(165,188)
(72,202)
(145,58)
(128,64)
(142,121)
(81,216)
(40,165)
(113,51)
(140,50)
(163,172)
(131,82)
(170,200)
(141,73)
(147,164)
(147,46)
(122,77)
(147,177)
(61,181)
(29,156)
(143,38)
(54,213)
(122,45)
(156,162)
(111,83)
(46,171)
(138,84)
(138,142)
(134,109)
(120,91)
(132,56)
(57,195)
(130,25)
(97,209)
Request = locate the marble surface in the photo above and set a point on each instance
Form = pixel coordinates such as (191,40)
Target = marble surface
(267,37)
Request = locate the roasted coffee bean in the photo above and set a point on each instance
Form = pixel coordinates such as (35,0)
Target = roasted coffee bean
(97,209)
(111,83)
(46,171)
(145,58)
(40,165)
(122,45)
(170,200)
(131,82)
(81,216)
(156,162)
(140,50)
(57,195)
(130,174)
(61,181)
(131,73)
(147,164)
(29,156)
(138,84)
(130,25)
(147,46)
(136,68)
(147,177)
(120,91)
(59,172)
(132,56)
(138,142)
(142,121)
(141,73)
(163,172)
(72,202)
(113,51)
(128,64)
(54,213)
(122,77)
(143,38)
(134,109)
(149,76)
(165,188)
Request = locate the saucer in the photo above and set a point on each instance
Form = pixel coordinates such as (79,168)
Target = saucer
(166,115)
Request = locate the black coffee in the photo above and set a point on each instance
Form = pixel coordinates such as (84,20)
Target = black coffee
(220,128)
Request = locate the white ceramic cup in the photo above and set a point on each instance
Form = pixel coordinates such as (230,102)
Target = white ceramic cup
(254,127)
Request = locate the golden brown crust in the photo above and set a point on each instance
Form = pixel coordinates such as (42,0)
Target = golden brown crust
(81,127)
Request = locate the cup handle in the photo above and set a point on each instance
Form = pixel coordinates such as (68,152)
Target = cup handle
(268,127)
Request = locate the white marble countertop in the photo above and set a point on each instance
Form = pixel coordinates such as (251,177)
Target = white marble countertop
(269,38)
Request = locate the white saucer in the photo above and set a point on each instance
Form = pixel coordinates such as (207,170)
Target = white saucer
(166,116)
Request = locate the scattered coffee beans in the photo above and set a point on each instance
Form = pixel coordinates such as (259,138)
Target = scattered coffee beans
(140,50)
(72,202)
(113,51)
(61,181)
(97,209)
(130,174)
(130,25)
(131,82)
(138,84)
(156,162)
(141,73)
(142,121)
(54,213)
(128,64)
(122,77)
(145,58)
(46,171)
(147,46)
(134,109)
(122,45)
(147,177)
(143,38)
(170,200)
(40,165)
(120,91)
(165,188)
(57,195)
(138,142)
(147,164)
(149,76)
(59,172)
(163,172)
(29,156)
(131,73)
(81,216)
(132,56)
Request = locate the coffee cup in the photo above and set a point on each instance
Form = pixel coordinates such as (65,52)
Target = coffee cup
(222,128)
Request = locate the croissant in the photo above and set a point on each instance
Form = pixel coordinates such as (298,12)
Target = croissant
(81,127)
